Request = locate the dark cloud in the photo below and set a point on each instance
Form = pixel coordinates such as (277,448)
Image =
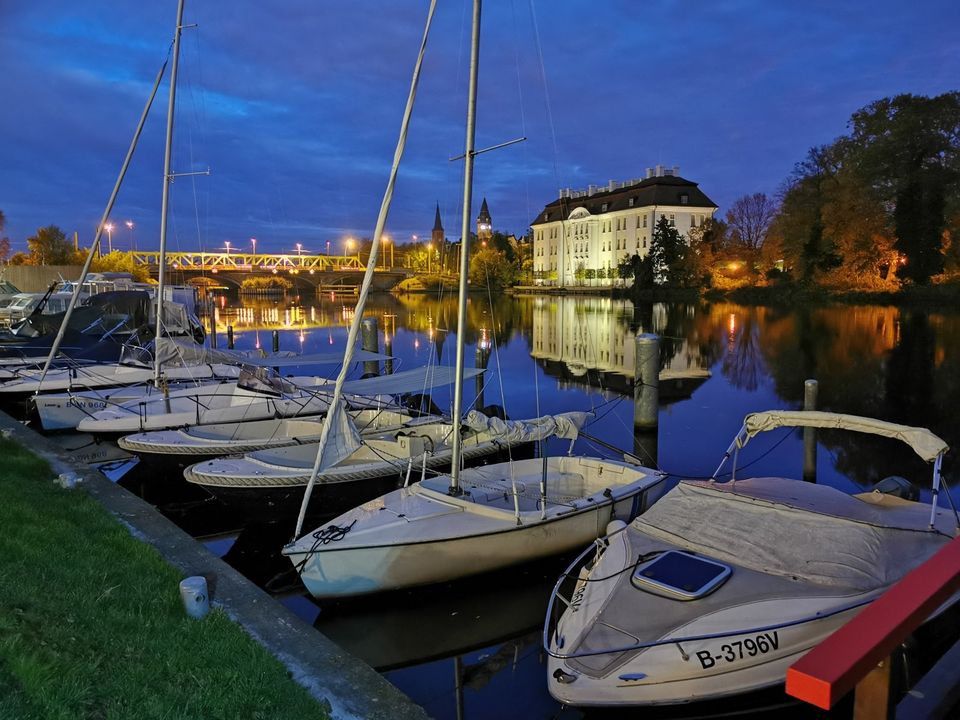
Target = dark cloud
(295,107)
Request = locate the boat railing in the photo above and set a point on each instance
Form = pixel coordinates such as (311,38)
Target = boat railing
(561,599)
(858,656)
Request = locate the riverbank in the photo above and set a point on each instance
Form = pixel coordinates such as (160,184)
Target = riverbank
(92,624)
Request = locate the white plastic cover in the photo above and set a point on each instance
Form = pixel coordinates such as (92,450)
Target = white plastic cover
(565,425)
(795,529)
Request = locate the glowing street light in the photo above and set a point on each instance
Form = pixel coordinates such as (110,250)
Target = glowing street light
(299,248)
(253,241)
(129,224)
(227,243)
(386,239)
(109,228)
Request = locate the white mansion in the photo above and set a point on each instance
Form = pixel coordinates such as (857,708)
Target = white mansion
(583,235)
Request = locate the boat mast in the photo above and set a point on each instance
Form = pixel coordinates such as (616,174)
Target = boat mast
(465,250)
(167,179)
(95,247)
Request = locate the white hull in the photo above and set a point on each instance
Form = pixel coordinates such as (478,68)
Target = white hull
(420,535)
(226,402)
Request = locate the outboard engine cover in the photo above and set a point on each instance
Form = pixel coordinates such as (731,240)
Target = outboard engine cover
(898,487)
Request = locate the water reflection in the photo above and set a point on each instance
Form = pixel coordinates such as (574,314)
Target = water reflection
(467,650)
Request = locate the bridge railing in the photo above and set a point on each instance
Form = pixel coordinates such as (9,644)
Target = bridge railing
(240,261)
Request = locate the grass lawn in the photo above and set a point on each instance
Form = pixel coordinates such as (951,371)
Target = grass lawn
(91,623)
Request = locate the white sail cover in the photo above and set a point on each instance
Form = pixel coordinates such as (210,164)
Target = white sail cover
(565,425)
(343,439)
(924,443)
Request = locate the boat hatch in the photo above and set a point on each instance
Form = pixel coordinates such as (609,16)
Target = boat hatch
(680,575)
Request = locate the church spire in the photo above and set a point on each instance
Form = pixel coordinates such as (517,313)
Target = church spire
(437,236)
(484,223)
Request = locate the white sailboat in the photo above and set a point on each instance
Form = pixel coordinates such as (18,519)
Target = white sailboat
(479,519)
(720,587)
(277,477)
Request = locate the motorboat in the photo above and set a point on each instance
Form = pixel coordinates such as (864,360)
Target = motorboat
(719,587)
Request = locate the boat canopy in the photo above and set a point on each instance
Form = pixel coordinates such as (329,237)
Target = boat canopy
(924,443)
(564,425)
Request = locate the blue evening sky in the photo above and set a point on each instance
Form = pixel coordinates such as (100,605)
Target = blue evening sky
(295,106)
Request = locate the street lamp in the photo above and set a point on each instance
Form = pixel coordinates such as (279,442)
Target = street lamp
(109,228)
(299,248)
(386,239)
(253,241)
(227,243)
(129,224)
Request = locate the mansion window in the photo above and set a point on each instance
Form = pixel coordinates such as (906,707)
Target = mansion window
(684,199)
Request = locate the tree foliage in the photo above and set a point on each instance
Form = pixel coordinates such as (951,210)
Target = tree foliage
(49,246)
(489,267)
(668,252)
(883,196)
(749,219)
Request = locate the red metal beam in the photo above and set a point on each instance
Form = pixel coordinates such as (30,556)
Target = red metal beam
(835,666)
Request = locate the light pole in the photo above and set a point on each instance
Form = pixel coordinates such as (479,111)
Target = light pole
(109,228)
(386,239)
(429,253)
(227,243)
(129,224)
(253,241)
(328,247)
(299,248)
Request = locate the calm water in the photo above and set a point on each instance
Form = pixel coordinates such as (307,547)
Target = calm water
(473,649)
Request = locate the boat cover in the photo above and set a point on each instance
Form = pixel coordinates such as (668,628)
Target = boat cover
(925,443)
(796,530)
(174,351)
(565,425)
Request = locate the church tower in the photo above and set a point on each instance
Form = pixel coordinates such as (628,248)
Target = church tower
(484,224)
(436,236)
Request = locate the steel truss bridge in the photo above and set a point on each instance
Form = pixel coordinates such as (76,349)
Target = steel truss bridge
(320,271)
(248,262)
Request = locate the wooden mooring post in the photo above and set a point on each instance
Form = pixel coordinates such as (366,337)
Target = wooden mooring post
(370,341)
(646,397)
(809,433)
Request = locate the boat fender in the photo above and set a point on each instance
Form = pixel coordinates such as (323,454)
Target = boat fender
(615,526)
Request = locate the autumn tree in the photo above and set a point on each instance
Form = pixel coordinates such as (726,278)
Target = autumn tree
(908,147)
(749,219)
(50,247)
(489,267)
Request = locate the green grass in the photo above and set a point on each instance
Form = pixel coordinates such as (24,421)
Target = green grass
(91,623)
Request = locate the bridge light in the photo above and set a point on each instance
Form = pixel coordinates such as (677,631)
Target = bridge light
(311,271)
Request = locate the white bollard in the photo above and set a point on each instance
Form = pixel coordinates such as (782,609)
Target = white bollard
(193,592)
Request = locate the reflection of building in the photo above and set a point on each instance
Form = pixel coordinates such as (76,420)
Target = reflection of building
(584,235)
(590,340)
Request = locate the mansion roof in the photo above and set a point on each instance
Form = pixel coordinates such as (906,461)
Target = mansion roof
(660,190)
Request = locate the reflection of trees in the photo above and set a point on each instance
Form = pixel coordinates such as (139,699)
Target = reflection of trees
(869,361)
(733,333)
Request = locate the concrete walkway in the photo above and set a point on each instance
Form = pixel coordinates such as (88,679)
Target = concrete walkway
(351,688)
